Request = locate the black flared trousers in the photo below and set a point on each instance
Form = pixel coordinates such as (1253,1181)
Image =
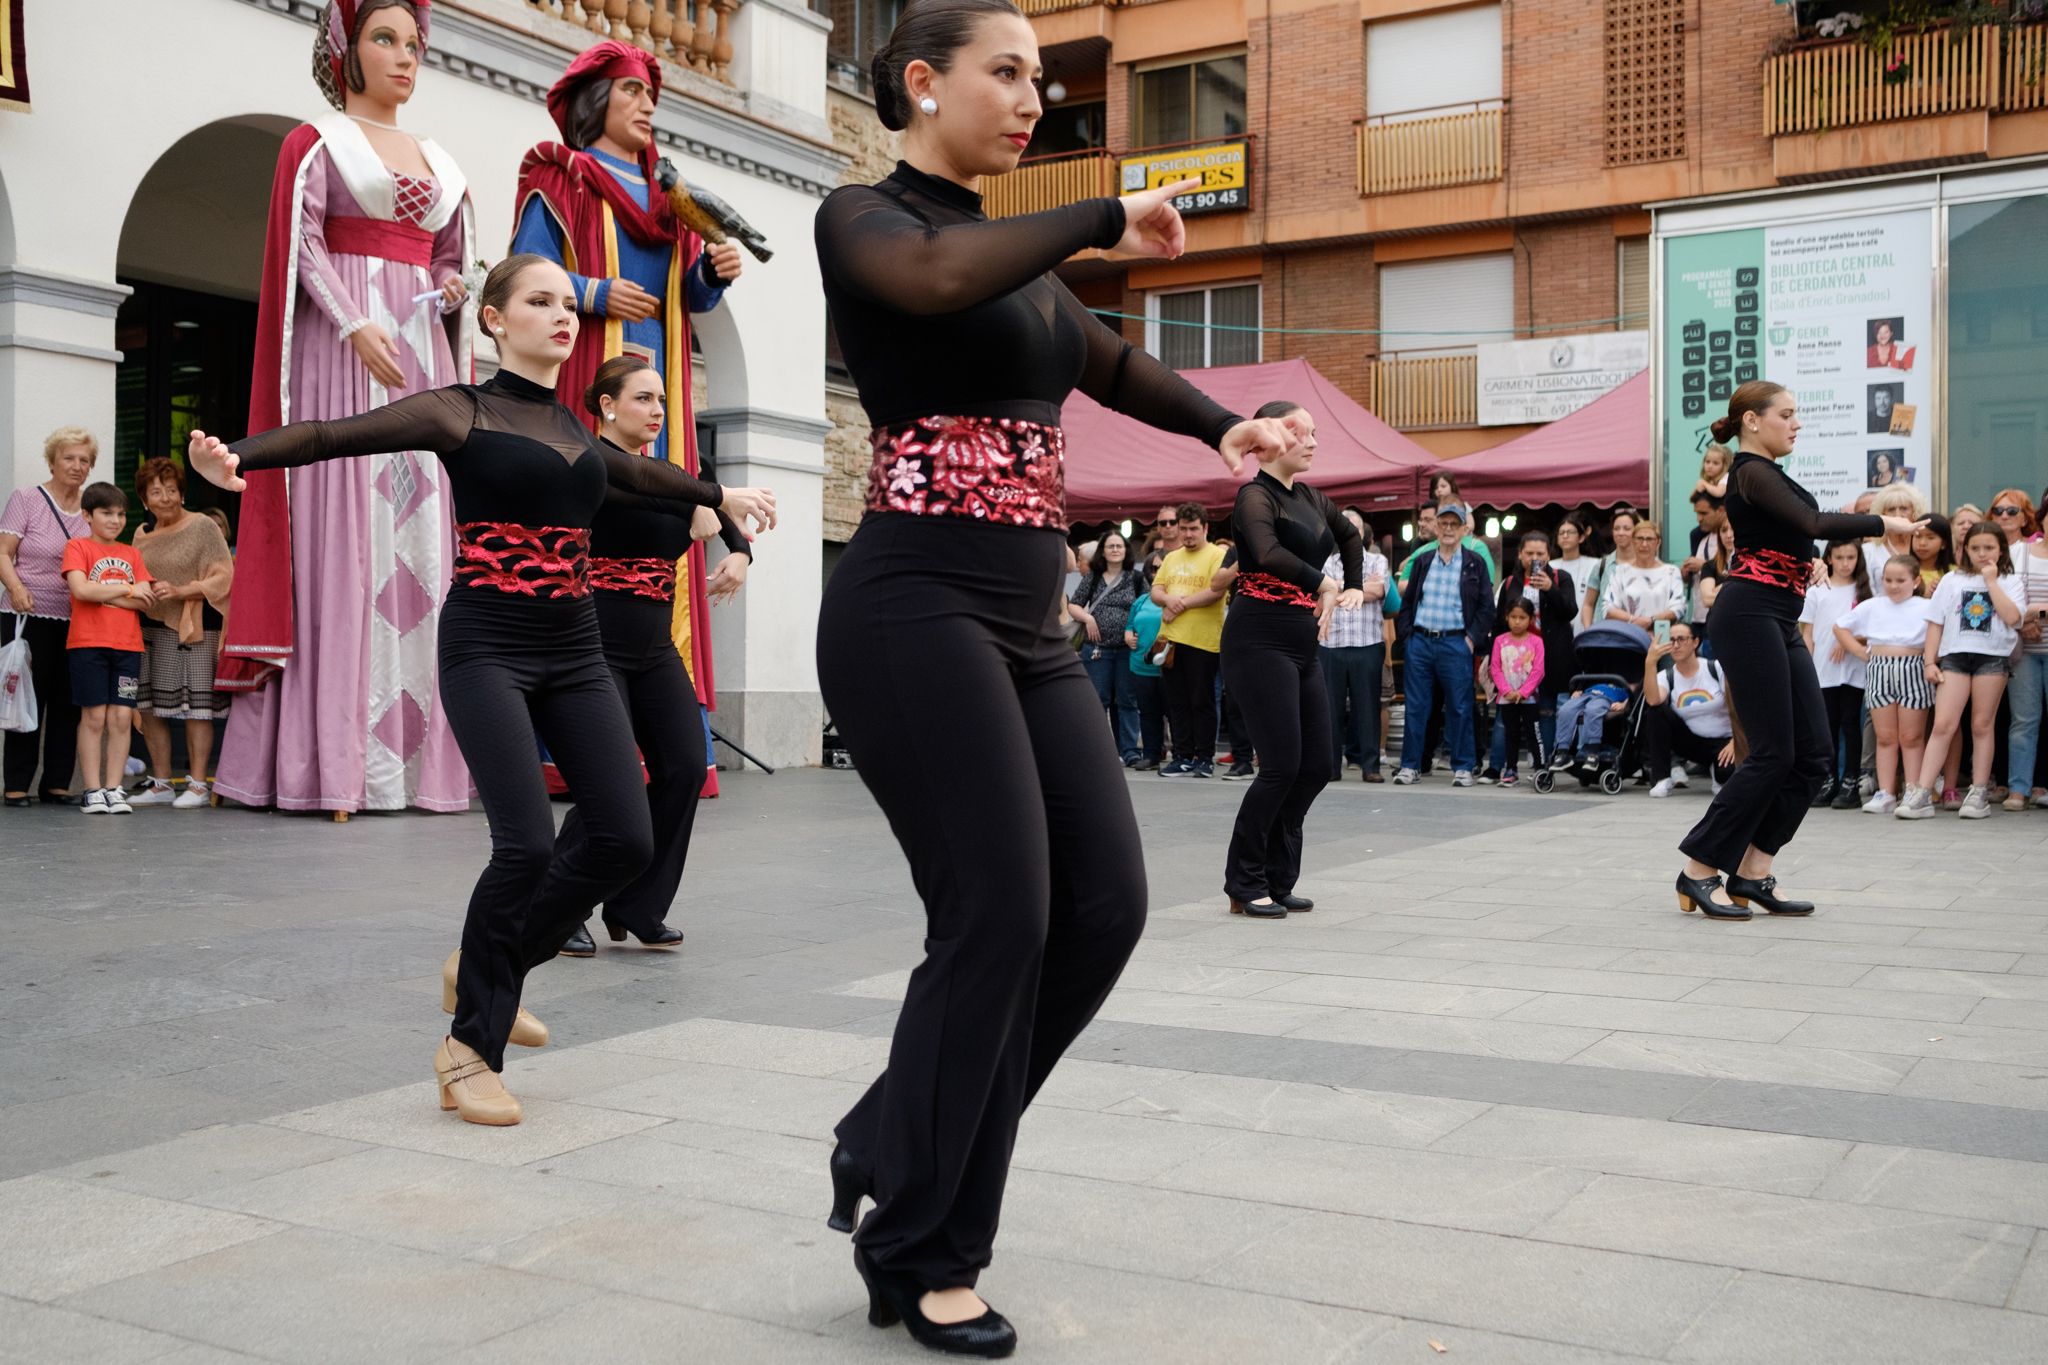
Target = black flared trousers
(970,719)
(1776,697)
(669,728)
(1270,666)
(515,673)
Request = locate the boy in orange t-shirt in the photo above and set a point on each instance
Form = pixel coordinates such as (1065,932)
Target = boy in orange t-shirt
(109,585)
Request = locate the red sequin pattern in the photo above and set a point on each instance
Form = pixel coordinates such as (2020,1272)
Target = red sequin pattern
(655,578)
(1266,588)
(997,469)
(1774,567)
(530,561)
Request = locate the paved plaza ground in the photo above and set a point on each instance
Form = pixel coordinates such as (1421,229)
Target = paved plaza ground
(1494,1100)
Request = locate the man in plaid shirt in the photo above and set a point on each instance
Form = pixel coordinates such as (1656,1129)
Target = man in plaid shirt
(1354,654)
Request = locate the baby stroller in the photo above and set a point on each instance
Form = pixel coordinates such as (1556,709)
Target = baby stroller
(1609,652)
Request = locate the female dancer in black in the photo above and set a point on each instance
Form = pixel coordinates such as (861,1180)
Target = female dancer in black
(1771,683)
(939,650)
(633,554)
(520,654)
(1286,531)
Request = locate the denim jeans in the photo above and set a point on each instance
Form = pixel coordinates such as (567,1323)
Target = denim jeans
(2028,692)
(1353,677)
(1151,703)
(1109,668)
(1439,665)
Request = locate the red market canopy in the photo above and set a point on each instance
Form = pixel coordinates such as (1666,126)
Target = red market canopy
(1599,454)
(1117,466)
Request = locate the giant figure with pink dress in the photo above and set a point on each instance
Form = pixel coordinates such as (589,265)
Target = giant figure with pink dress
(330,638)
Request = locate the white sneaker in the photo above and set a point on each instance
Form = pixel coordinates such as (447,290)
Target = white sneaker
(1916,804)
(1883,803)
(1405,778)
(157,793)
(1679,778)
(196,796)
(94,803)
(134,767)
(1866,787)
(117,804)
(2040,799)
(1976,804)
(1461,778)
(1664,788)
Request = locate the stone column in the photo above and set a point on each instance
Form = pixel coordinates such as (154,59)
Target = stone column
(764,644)
(57,362)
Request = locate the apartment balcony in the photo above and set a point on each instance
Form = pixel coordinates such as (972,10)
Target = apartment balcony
(691,33)
(1930,98)
(1430,149)
(1050,182)
(1412,392)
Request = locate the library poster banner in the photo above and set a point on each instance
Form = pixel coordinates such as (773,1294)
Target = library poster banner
(1839,312)
(13,55)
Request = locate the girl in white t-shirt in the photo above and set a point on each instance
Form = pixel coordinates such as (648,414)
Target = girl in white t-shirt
(1888,632)
(1972,629)
(1840,672)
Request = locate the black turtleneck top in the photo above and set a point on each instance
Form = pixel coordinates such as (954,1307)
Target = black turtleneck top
(1285,536)
(513,455)
(1774,523)
(625,529)
(940,311)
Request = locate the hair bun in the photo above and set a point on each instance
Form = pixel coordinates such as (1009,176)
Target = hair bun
(890,102)
(1725,428)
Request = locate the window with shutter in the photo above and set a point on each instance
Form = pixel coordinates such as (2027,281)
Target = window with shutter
(1634,298)
(1435,307)
(1432,61)
(1192,329)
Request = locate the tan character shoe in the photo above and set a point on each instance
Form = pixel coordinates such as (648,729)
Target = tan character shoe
(527,1031)
(469,1086)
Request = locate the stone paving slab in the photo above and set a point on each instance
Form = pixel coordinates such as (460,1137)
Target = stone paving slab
(1513,1105)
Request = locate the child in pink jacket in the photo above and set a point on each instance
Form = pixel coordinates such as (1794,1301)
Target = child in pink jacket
(1517,667)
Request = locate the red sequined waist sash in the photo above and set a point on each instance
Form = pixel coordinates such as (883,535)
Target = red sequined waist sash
(655,578)
(1264,587)
(1774,567)
(528,561)
(998,469)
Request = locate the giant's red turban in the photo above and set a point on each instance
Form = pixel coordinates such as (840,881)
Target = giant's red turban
(608,60)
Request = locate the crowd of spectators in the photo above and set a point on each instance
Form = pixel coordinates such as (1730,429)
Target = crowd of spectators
(1466,651)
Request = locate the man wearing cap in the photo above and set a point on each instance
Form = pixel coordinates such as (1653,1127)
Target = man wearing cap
(1446,621)
(594,206)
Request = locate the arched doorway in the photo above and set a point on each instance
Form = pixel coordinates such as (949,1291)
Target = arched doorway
(192,250)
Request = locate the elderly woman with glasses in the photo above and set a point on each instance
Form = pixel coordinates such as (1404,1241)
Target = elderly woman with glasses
(1642,590)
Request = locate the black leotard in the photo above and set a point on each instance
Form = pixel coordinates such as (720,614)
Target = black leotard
(1284,537)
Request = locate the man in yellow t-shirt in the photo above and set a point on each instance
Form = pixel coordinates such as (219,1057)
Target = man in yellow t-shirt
(1193,616)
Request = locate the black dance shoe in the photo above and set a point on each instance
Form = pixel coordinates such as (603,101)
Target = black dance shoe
(1764,891)
(578,944)
(664,937)
(850,1185)
(1697,893)
(1298,904)
(1266,909)
(893,1299)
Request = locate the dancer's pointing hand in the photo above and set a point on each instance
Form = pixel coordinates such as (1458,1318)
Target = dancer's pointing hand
(1260,437)
(1152,225)
(214,461)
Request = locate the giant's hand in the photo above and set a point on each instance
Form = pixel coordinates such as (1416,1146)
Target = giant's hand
(755,505)
(726,261)
(628,302)
(214,461)
(379,354)
(1152,225)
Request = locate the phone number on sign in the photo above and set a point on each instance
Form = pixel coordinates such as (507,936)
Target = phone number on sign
(1211,201)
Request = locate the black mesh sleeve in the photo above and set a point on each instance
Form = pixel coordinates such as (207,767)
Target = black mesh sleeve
(437,420)
(880,250)
(654,485)
(1350,544)
(1135,383)
(1254,519)
(733,538)
(1770,490)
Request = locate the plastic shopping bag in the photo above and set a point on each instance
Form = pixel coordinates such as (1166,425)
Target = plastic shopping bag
(17,692)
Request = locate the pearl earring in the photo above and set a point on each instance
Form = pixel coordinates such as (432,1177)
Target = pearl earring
(928,105)
(501,331)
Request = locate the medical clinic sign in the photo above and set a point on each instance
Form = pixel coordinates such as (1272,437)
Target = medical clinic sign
(1523,382)
(1224,168)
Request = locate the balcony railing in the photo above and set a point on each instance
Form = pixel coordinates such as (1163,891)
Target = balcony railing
(1050,182)
(692,33)
(1461,146)
(1425,391)
(1919,75)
